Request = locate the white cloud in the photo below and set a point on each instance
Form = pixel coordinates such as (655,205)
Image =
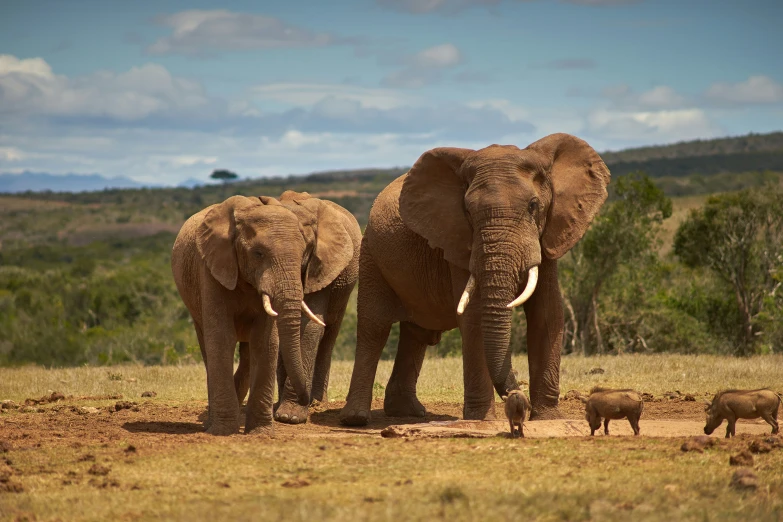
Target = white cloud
(308,94)
(11,154)
(662,96)
(425,67)
(29,86)
(513,112)
(665,126)
(33,66)
(203,32)
(754,90)
(438,57)
(189,161)
(659,97)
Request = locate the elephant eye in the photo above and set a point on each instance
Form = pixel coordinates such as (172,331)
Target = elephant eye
(532,206)
(258,254)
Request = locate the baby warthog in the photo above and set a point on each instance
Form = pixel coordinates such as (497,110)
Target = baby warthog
(611,405)
(742,404)
(517,406)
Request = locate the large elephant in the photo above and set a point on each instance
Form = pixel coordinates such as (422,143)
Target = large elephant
(275,276)
(458,241)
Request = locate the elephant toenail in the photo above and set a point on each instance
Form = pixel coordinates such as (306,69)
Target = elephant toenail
(294,419)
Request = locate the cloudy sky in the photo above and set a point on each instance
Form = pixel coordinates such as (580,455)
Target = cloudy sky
(168,90)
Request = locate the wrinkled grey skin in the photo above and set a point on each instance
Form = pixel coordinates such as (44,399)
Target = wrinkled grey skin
(517,407)
(228,256)
(494,214)
(608,404)
(742,404)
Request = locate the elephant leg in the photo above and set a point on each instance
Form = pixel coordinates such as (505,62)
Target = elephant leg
(544,314)
(202,346)
(223,403)
(400,399)
(242,375)
(375,305)
(479,393)
(263,350)
(281,379)
(338,301)
(289,410)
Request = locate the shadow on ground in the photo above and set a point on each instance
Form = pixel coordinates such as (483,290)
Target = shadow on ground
(179,428)
(331,418)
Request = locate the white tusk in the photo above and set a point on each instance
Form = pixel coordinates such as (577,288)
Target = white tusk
(268,306)
(530,287)
(465,299)
(309,313)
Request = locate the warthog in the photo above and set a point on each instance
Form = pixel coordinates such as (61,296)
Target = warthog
(742,404)
(517,406)
(611,405)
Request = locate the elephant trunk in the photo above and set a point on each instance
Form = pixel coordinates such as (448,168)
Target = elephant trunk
(496,292)
(498,263)
(288,305)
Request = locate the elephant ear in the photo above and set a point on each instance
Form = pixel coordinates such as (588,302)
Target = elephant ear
(333,247)
(215,240)
(579,179)
(432,203)
(333,250)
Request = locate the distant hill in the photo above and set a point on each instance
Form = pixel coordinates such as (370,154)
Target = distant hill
(41,181)
(692,167)
(741,154)
(752,143)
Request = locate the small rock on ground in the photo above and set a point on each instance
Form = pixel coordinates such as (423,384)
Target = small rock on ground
(758,446)
(743,458)
(744,478)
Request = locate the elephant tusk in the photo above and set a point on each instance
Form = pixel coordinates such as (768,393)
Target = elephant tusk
(309,313)
(268,306)
(465,299)
(530,287)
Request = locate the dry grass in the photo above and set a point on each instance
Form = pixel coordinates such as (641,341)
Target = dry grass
(441,378)
(333,475)
(681,207)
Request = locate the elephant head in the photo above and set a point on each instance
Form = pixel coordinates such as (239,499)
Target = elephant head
(495,212)
(283,249)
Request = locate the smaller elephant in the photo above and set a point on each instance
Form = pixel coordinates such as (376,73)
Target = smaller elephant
(274,275)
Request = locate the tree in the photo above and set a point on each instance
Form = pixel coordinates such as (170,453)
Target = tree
(623,233)
(739,236)
(223,175)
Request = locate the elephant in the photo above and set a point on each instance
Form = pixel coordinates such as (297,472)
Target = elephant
(459,241)
(274,275)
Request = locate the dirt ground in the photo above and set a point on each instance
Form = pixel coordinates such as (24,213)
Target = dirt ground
(116,457)
(147,422)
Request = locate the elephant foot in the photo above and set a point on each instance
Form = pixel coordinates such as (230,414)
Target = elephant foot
(261,431)
(291,413)
(482,412)
(351,415)
(403,405)
(545,413)
(223,429)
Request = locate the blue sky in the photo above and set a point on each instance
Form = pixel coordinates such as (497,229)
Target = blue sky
(168,90)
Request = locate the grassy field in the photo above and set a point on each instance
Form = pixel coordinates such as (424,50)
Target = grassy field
(441,378)
(151,462)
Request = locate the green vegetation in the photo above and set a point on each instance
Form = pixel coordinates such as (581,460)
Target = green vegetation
(85,277)
(223,175)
